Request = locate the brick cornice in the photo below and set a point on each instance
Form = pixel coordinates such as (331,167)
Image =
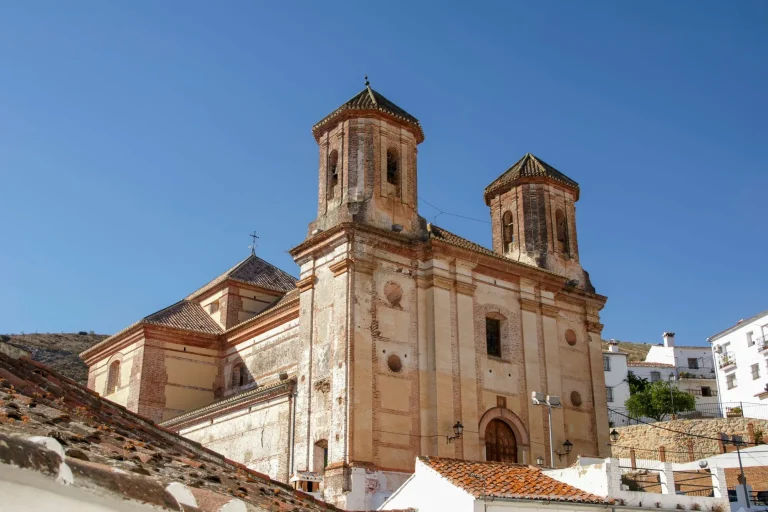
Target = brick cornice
(529,305)
(548,310)
(306,284)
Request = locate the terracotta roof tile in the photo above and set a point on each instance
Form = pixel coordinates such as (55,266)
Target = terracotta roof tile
(255,271)
(501,480)
(368,99)
(289,297)
(528,167)
(108,447)
(186,315)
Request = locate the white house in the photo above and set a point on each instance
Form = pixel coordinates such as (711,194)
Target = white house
(741,352)
(442,484)
(615,368)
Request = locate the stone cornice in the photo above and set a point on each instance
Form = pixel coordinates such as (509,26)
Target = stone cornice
(548,310)
(529,305)
(431,280)
(306,284)
(595,327)
(465,288)
(364,266)
(341,266)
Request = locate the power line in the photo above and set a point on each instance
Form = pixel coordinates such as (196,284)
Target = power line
(443,212)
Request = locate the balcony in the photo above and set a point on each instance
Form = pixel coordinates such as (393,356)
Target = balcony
(726,361)
(762,343)
(684,373)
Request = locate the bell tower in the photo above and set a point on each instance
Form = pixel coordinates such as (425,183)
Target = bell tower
(368,165)
(533,217)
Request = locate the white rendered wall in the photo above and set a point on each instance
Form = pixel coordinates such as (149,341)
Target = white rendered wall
(616,378)
(745,356)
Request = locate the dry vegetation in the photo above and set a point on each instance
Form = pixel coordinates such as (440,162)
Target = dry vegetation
(636,351)
(59,351)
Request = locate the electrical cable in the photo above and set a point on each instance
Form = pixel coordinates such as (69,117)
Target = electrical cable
(443,212)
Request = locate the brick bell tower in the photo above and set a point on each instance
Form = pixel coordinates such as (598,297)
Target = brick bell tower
(533,217)
(367,169)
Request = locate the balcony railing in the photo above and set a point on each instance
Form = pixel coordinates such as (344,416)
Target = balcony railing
(726,359)
(762,343)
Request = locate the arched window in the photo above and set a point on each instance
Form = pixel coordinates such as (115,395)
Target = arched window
(508,230)
(562,231)
(239,375)
(500,442)
(113,378)
(333,172)
(393,170)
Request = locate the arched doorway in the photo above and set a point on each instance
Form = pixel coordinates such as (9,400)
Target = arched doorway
(500,442)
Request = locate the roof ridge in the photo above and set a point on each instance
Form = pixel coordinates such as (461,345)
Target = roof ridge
(372,95)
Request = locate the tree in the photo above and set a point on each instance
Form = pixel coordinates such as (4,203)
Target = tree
(636,384)
(655,401)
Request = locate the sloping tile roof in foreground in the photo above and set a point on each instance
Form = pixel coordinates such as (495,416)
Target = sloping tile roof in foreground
(529,167)
(501,480)
(255,271)
(368,99)
(57,427)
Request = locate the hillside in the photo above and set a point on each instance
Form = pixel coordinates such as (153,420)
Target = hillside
(59,351)
(636,351)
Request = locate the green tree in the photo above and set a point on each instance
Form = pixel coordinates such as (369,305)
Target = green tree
(636,384)
(656,401)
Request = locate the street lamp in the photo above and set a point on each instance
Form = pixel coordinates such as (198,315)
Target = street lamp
(549,401)
(458,428)
(539,460)
(614,435)
(671,394)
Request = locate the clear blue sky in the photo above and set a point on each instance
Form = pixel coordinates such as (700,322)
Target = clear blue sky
(140,142)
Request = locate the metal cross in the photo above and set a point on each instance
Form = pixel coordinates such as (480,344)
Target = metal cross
(253,245)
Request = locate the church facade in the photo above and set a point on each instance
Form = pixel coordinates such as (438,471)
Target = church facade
(395,330)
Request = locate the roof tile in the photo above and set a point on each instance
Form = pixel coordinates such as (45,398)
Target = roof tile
(528,167)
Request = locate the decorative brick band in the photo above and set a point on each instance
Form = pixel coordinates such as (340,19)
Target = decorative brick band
(306,284)
(529,305)
(548,310)
(340,267)
(465,288)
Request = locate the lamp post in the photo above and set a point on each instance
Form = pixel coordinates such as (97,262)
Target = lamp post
(549,401)
(671,393)
(737,441)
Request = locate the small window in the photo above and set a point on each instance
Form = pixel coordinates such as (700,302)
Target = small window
(508,230)
(321,455)
(706,391)
(655,376)
(607,364)
(493,336)
(562,231)
(609,394)
(693,363)
(393,170)
(750,339)
(239,375)
(333,172)
(755,371)
(113,378)
(730,381)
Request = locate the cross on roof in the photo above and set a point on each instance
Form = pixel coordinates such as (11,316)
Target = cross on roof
(252,247)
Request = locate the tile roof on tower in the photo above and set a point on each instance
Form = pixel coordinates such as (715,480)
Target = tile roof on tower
(58,428)
(502,480)
(370,100)
(529,167)
(255,271)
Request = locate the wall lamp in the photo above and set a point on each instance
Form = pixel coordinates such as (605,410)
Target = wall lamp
(458,428)
(614,435)
(567,447)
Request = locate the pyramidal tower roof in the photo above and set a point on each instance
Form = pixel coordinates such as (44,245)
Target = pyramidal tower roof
(528,167)
(370,101)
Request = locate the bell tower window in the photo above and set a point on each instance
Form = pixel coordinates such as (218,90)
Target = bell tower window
(562,231)
(508,231)
(333,172)
(393,171)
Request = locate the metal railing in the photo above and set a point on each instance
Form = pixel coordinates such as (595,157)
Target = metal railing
(619,417)
(726,359)
(762,343)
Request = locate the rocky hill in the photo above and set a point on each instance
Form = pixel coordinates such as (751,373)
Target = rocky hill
(636,351)
(59,351)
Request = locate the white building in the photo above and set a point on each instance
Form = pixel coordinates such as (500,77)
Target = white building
(615,368)
(741,352)
(690,369)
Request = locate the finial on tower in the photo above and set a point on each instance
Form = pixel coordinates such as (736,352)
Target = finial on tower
(367,83)
(252,247)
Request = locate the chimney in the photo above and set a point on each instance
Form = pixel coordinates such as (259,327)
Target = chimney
(613,346)
(669,339)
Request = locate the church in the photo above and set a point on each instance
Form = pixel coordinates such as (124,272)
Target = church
(397,339)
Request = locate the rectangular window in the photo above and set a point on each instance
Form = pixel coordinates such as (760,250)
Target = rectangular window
(493,336)
(655,376)
(706,391)
(693,363)
(730,381)
(607,364)
(750,339)
(609,394)
(755,371)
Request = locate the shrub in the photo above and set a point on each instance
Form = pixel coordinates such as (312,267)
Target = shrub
(680,506)
(5,338)
(717,507)
(695,506)
(83,333)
